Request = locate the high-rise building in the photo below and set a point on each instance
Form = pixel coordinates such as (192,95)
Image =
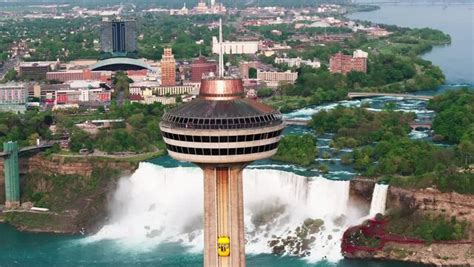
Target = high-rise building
(168,68)
(340,63)
(200,67)
(222,132)
(119,35)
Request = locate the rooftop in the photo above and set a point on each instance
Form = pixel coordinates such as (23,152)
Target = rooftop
(209,114)
(123,63)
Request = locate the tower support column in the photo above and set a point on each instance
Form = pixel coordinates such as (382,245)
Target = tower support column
(12,176)
(223,215)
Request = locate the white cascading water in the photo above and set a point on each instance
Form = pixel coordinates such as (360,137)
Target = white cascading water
(379,200)
(158,204)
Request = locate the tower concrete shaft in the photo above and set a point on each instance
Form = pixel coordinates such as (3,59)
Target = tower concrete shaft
(12,176)
(223,215)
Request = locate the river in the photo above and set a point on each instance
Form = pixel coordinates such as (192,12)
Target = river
(114,247)
(456,59)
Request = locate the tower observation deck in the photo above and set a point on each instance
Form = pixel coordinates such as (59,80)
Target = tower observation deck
(221,132)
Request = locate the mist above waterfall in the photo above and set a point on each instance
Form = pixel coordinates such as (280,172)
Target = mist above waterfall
(165,205)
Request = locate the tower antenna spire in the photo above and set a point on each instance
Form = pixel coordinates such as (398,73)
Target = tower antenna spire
(221,52)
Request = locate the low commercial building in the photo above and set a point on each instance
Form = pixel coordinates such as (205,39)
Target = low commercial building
(82,96)
(47,91)
(157,89)
(75,75)
(297,62)
(84,93)
(274,78)
(200,67)
(13,97)
(340,63)
(150,99)
(34,70)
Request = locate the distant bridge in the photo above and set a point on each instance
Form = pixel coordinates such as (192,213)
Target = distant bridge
(420,125)
(29,149)
(352,95)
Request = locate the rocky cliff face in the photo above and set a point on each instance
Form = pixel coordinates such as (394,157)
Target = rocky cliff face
(57,165)
(361,193)
(422,201)
(455,255)
(76,191)
(432,201)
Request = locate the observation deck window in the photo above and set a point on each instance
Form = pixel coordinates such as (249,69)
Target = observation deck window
(222,151)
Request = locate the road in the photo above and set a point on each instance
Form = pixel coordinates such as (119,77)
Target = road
(7,65)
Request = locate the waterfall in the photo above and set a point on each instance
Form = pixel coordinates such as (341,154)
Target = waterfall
(158,205)
(379,199)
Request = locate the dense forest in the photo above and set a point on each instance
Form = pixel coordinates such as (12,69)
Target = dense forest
(297,149)
(382,147)
(355,127)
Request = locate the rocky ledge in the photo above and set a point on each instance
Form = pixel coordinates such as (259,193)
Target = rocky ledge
(416,203)
(456,255)
(75,190)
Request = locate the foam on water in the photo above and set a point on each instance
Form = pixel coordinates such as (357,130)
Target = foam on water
(158,205)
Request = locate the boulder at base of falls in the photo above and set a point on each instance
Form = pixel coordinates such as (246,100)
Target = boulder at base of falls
(298,242)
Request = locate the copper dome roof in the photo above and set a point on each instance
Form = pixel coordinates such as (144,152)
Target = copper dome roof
(239,113)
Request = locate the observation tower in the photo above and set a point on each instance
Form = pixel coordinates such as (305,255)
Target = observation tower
(222,132)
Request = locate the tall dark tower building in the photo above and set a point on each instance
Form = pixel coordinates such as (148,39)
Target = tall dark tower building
(222,132)
(119,36)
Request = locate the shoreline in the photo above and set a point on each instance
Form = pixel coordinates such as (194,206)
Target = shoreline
(459,80)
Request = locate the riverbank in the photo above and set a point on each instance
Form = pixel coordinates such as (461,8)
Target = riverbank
(450,18)
(399,237)
(76,190)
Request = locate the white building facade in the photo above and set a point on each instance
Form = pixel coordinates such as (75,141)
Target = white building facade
(235,47)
